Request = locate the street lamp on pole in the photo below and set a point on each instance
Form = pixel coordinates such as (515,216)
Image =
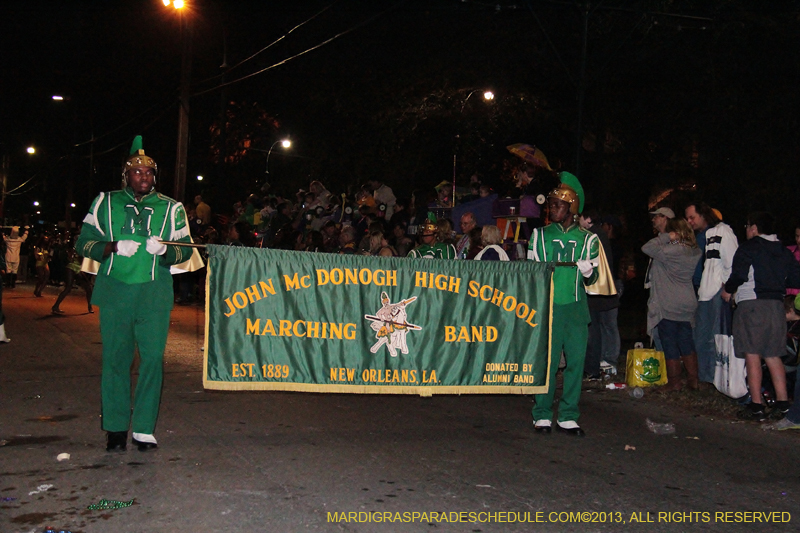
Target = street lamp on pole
(286,143)
(487,96)
(183,103)
(67,99)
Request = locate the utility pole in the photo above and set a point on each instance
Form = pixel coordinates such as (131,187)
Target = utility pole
(71,170)
(587,10)
(582,90)
(183,111)
(223,106)
(4,172)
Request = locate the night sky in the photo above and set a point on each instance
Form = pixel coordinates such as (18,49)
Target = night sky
(679,100)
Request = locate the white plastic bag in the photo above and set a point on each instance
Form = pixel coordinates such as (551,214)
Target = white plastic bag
(730,377)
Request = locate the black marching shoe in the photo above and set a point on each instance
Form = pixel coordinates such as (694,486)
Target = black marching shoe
(116,441)
(575,431)
(144,446)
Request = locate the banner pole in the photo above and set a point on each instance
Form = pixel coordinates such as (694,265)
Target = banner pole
(189,244)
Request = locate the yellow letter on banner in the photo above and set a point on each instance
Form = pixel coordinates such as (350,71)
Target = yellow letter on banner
(291,283)
(252,327)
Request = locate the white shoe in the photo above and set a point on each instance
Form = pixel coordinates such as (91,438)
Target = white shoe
(145,442)
(570,427)
(608,368)
(3,337)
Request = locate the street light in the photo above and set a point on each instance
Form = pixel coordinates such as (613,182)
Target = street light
(487,96)
(31,150)
(183,104)
(72,156)
(286,143)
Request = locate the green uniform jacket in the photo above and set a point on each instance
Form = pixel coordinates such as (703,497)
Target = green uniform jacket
(116,216)
(553,243)
(439,250)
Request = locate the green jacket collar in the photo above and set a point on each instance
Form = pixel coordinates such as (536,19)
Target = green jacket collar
(129,192)
(561,228)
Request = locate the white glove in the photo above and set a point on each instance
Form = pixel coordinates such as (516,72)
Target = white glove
(155,246)
(127,248)
(585,267)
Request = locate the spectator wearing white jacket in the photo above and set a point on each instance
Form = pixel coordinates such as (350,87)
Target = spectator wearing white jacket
(718,251)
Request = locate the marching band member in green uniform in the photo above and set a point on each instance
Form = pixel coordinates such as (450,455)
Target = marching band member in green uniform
(428,248)
(123,232)
(563,240)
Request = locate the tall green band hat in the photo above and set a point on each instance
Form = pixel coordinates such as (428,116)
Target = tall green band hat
(136,159)
(569,190)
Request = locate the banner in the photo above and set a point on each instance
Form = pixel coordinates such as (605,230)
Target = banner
(316,322)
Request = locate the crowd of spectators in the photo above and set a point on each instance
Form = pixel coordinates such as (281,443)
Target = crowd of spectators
(369,221)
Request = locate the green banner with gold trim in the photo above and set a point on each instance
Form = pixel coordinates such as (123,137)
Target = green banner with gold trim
(316,322)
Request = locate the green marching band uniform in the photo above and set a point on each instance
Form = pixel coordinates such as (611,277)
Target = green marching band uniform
(428,247)
(570,306)
(134,294)
(440,250)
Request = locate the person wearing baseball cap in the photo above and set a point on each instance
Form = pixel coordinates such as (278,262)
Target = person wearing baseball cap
(660,217)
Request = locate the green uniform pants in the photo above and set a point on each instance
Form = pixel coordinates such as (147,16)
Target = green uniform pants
(570,333)
(132,320)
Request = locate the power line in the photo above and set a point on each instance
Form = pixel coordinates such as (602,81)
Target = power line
(283,62)
(165,108)
(273,43)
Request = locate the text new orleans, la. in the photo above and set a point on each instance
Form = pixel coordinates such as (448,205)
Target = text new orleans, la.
(381,278)
(388,375)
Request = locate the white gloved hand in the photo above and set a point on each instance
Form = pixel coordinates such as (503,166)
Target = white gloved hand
(127,248)
(585,267)
(155,246)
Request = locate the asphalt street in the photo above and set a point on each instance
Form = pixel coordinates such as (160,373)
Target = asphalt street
(287,462)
